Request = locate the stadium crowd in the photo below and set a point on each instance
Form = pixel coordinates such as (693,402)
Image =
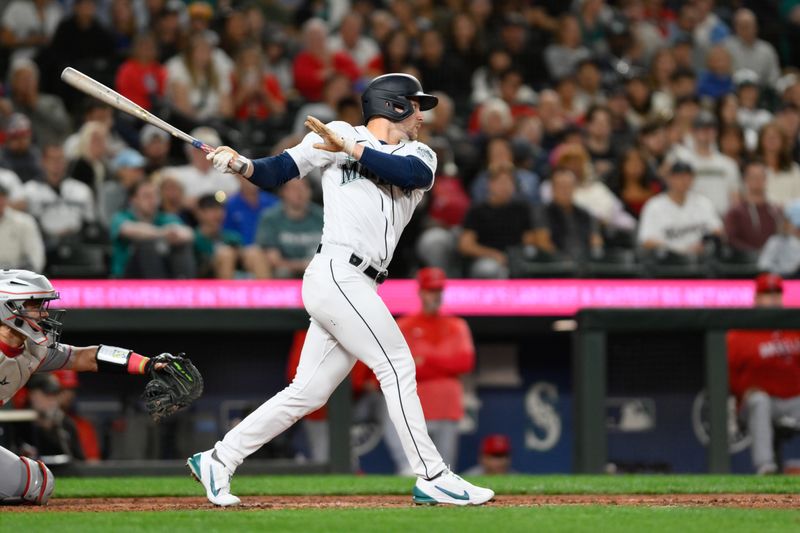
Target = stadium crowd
(628,134)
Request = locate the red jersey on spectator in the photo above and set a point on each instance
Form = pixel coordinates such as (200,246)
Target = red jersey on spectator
(359,376)
(764,360)
(139,81)
(449,201)
(308,73)
(443,350)
(256,108)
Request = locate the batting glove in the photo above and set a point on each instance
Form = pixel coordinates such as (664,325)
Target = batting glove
(222,156)
(333,142)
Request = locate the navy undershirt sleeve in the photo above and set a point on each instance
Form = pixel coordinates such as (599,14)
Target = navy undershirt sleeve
(271,172)
(405,171)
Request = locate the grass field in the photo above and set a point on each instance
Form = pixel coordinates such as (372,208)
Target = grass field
(532,517)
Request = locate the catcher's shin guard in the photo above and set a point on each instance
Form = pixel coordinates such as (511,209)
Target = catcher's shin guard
(41,482)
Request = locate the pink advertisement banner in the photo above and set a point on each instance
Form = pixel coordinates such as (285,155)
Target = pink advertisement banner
(552,297)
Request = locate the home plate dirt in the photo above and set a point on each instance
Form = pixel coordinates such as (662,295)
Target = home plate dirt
(775,501)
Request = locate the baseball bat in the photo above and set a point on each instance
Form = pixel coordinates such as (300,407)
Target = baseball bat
(92,87)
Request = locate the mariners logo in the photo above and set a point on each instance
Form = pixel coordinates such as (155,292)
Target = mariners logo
(426,154)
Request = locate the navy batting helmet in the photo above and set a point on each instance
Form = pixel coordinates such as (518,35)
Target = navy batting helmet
(390,96)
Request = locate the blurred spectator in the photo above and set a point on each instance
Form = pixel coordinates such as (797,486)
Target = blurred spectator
(640,99)
(486,78)
(290,232)
(598,139)
(552,117)
(336,88)
(235,29)
(679,219)
(716,175)
(200,15)
(49,119)
(589,79)
(518,40)
(80,41)
(500,152)
(141,78)
(20,155)
(491,227)
(465,41)
(750,116)
(198,80)
(764,370)
(566,229)
(243,210)
(395,55)
(277,60)
(633,181)
(749,224)
(90,165)
(128,170)
(28,25)
(710,28)
(443,352)
(351,40)
(662,67)
(62,205)
(22,243)
(171,194)
(95,110)
(147,243)
(654,144)
(200,177)
(216,248)
(53,433)
(87,434)
(168,30)
(783,174)
(440,71)
(781,253)
(257,94)
(122,25)
(562,57)
(732,144)
(787,118)
(717,79)
(154,144)
(750,52)
(494,458)
(316,62)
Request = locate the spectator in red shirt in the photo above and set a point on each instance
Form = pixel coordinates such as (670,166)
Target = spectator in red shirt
(141,78)
(256,93)
(764,370)
(443,351)
(316,63)
(87,434)
(750,223)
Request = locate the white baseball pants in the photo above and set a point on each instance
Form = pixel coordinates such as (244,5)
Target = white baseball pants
(349,321)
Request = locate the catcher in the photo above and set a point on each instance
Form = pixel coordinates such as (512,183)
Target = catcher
(29,334)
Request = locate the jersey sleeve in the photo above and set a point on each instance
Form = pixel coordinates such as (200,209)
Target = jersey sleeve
(424,153)
(57,357)
(307,158)
(650,227)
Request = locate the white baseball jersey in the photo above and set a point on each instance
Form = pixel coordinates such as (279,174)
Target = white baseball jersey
(62,210)
(679,227)
(16,371)
(362,211)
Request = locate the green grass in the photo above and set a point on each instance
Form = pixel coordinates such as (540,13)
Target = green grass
(595,519)
(555,484)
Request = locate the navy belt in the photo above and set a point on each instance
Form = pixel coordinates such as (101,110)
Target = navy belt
(371,272)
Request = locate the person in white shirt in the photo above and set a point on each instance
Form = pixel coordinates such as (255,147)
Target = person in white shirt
(13,186)
(678,220)
(28,25)
(717,176)
(200,177)
(374,176)
(22,243)
(350,39)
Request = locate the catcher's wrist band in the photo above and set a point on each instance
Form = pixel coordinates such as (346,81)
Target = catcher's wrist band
(115,360)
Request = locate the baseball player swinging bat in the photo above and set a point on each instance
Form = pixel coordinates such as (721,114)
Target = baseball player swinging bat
(92,87)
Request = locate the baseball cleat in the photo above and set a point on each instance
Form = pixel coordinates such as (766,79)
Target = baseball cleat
(215,477)
(449,488)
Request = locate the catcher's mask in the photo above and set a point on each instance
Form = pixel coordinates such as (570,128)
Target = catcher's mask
(390,96)
(25,306)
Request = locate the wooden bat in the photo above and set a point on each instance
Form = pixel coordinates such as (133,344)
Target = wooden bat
(94,88)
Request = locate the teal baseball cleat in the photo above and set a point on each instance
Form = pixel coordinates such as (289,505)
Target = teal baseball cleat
(214,476)
(449,488)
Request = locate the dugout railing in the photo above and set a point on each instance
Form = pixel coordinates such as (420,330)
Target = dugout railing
(590,369)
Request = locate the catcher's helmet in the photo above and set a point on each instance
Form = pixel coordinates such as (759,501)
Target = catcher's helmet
(390,96)
(20,286)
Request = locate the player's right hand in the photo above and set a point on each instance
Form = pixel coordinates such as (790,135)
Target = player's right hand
(222,156)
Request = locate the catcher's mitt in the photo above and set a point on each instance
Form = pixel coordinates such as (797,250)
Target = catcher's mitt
(173,386)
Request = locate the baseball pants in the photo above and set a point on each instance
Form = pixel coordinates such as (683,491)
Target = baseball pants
(444,434)
(12,475)
(349,321)
(760,410)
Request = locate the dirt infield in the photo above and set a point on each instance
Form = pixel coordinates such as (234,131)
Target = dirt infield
(249,503)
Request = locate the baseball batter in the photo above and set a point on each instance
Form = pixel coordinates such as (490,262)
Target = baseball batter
(373,178)
(29,333)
